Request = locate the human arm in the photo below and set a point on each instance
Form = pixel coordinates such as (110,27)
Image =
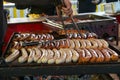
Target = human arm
(67,8)
(96,1)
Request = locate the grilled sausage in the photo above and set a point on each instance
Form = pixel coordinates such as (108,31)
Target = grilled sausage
(37,55)
(31,55)
(24,56)
(62,57)
(106,55)
(44,54)
(68,55)
(94,56)
(104,43)
(100,56)
(113,54)
(12,56)
(75,55)
(50,56)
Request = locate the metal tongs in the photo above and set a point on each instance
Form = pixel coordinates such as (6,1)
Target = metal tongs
(59,4)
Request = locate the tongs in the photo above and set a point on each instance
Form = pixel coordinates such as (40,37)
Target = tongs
(59,4)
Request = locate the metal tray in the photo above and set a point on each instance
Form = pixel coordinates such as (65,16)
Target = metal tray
(16,64)
(101,25)
(83,18)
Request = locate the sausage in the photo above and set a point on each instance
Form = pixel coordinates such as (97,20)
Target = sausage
(91,35)
(39,36)
(74,36)
(79,36)
(85,55)
(75,55)
(93,43)
(82,44)
(106,55)
(113,54)
(12,56)
(94,35)
(24,56)
(69,36)
(100,56)
(51,37)
(44,54)
(62,43)
(83,35)
(50,56)
(44,58)
(88,55)
(62,57)
(72,44)
(43,37)
(88,43)
(66,43)
(56,54)
(31,55)
(81,56)
(94,56)
(16,44)
(99,43)
(37,55)
(77,43)
(104,43)
(48,37)
(68,55)
(57,44)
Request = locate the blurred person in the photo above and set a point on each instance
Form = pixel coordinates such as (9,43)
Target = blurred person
(111,1)
(47,7)
(86,6)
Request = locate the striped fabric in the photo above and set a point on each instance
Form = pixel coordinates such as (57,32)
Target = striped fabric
(15,13)
(100,7)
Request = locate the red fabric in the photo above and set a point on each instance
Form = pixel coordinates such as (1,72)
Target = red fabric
(118,18)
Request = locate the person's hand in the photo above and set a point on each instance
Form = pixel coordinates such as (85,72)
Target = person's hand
(95,1)
(66,9)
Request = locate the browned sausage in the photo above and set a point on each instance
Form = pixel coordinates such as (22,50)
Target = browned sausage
(100,56)
(113,54)
(94,56)
(106,55)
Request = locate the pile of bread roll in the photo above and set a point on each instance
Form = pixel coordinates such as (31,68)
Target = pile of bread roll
(63,51)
